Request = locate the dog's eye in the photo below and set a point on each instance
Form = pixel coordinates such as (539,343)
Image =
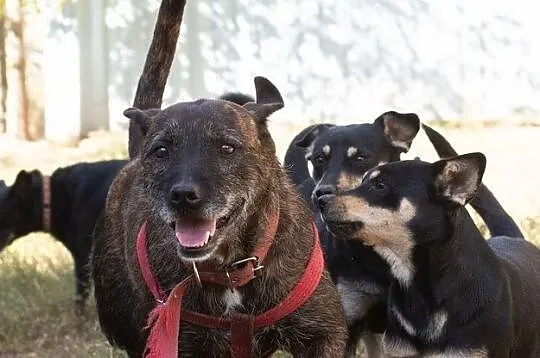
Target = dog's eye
(360,158)
(161,151)
(227,149)
(320,159)
(378,185)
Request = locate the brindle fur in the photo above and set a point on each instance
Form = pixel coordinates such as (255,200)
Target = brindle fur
(251,175)
(158,63)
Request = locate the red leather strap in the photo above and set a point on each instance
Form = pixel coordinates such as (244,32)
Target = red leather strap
(144,265)
(46,202)
(301,292)
(242,328)
(164,319)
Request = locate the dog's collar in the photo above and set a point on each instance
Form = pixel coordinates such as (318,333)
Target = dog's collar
(46,202)
(164,319)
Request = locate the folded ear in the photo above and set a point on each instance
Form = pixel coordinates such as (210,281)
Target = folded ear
(139,123)
(399,128)
(268,101)
(457,179)
(306,137)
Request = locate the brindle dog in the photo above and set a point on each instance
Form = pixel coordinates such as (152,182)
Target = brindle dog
(206,180)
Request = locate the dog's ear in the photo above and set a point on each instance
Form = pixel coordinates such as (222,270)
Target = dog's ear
(306,137)
(22,187)
(2,184)
(457,179)
(268,101)
(399,128)
(139,123)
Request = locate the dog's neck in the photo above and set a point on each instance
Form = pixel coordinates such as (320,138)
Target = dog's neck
(448,271)
(33,214)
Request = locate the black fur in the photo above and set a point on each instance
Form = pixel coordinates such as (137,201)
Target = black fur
(237,97)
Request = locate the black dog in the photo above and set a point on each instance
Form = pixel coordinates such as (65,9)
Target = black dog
(77,196)
(208,186)
(452,293)
(340,155)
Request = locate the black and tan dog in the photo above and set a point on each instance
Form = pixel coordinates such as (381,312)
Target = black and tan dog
(208,185)
(340,155)
(453,294)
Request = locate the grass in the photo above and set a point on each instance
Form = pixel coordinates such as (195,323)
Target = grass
(37,316)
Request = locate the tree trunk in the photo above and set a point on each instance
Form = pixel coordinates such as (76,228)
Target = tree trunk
(94,66)
(23,130)
(25,97)
(3,68)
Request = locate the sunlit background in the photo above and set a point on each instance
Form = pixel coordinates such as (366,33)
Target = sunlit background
(69,68)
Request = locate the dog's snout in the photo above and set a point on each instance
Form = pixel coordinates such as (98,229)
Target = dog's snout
(184,193)
(324,190)
(323,200)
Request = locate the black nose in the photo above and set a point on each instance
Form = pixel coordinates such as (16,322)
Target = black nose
(324,190)
(185,193)
(323,200)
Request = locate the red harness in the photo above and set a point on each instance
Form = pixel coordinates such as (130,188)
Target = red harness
(164,319)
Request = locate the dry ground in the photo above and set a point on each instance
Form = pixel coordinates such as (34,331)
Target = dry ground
(36,282)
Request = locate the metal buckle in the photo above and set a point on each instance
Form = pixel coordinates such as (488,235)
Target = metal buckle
(256,268)
(196,273)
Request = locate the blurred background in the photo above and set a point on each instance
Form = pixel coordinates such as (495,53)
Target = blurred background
(69,68)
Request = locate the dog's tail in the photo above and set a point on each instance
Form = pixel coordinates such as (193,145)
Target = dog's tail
(498,221)
(157,66)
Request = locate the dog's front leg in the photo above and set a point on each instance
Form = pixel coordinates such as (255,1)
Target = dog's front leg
(373,343)
(330,346)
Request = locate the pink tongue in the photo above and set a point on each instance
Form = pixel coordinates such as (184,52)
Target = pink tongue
(194,232)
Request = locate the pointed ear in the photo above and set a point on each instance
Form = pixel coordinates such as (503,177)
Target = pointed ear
(457,179)
(139,124)
(22,186)
(399,128)
(306,137)
(269,100)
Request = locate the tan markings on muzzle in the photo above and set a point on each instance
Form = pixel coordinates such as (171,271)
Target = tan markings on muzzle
(326,149)
(347,181)
(351,152)
(385,229)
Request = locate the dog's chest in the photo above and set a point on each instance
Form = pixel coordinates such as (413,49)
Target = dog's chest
(357,297)
(428,331)
(231,300)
